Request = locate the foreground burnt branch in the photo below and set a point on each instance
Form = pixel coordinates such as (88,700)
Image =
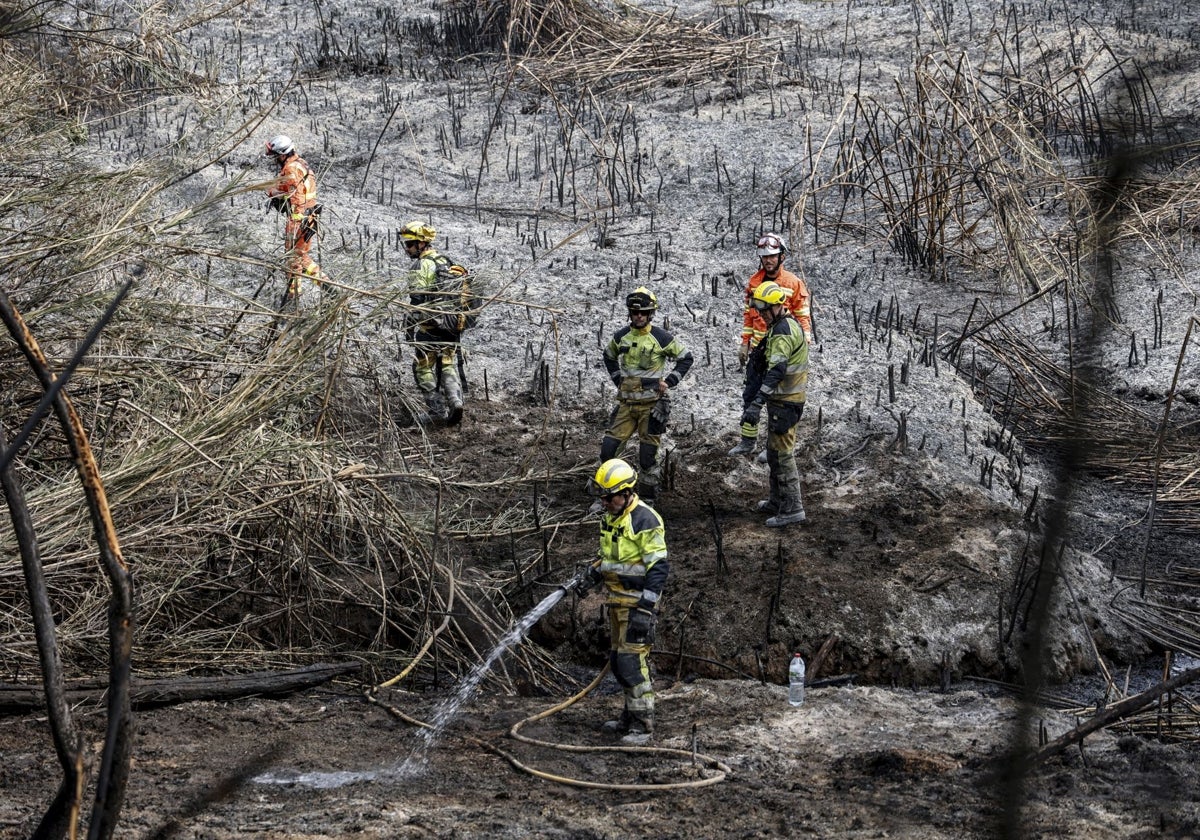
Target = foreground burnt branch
(1115,713)
(153,693)
(114,762)
(64,809)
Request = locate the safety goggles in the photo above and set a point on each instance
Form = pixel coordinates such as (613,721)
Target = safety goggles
(760,305)
(769,241)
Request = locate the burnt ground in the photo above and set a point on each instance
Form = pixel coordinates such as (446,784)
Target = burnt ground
(915,745)
(914,576)
(851,762)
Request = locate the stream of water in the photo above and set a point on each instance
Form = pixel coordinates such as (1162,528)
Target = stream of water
(443,714)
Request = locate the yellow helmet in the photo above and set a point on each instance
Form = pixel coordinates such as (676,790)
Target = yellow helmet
(641,299)
(614,476)
(769,294)
(417,232)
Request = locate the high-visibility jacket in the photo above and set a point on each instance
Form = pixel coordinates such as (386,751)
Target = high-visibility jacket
(633,555)
(636,358)
(423,293)
(782,358)
(297,183)
(798,303)
(422,277)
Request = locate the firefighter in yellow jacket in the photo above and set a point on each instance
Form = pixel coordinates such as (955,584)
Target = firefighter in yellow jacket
(632,565)
(435,349)
(294,194)
(636,360)
(776,378)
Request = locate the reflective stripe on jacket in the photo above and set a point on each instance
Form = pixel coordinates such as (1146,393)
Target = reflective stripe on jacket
(633,554)
(786,376)
(753,325)
(636,358)
(297,182)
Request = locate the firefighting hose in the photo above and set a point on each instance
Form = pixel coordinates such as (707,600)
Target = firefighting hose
(698,761)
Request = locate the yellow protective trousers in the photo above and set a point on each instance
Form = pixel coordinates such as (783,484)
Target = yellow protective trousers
(631,667)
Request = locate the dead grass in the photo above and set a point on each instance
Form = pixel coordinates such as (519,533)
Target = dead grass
(233,441)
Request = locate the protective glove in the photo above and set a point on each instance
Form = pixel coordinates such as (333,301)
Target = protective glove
(589,581)
(743,355)
(640,630)
(751,413)
(279,203)
(662,409)
(660,414)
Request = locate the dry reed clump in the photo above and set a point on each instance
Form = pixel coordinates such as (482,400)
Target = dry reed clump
(1001,169)
(272,498)
(106,54)
(243,474)
(571,43)
(961,175)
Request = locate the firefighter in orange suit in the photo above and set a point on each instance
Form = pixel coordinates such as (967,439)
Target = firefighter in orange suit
(294,194)
(772,250)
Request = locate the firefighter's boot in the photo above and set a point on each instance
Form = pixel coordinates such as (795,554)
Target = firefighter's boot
(452,388)
(771,503)
(434,402)
(640,731)
(791,505)
(617,726)
(745,446)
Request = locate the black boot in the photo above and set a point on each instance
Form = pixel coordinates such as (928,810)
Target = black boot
(791,505)
(640,731)
(617,726)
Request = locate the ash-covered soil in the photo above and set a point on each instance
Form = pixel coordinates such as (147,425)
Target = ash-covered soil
(898,597)
(851,762)
(916,569)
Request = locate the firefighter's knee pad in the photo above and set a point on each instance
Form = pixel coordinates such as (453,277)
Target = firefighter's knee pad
(647,456)
(424,375)
(643,689)
(627,668)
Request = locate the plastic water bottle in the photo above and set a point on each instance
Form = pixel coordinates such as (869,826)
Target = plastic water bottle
(796,680)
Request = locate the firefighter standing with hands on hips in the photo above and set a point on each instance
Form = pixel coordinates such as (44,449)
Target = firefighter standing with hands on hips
(294,194)
(635,359)
(776,378)
(632,566)
(772,249)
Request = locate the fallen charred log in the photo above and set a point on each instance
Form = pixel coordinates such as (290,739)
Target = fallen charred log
(153,693)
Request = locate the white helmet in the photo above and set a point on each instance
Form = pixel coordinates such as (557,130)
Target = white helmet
(771,243)
(280,144)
